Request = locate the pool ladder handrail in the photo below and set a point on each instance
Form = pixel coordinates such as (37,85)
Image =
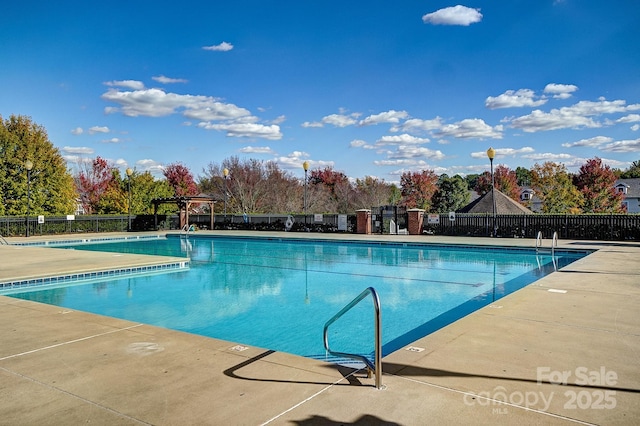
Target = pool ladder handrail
(554,242)
(376,366)
(185,230)
(3,241)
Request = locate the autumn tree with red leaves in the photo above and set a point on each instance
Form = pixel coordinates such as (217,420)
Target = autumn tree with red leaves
(180,179)
(92,182)
(418,189)
(596,183)
(506,181)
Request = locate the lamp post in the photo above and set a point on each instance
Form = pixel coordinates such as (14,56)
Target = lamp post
(129,172)
(225,173)
(305,166)
(491,153)
(28,165)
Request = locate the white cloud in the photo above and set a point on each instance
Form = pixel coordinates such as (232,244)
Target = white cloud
(456,15)
(575,116)
(514,99)
(470,128)
(79,150)
(98,129)
(623,146)
(129,84)
(359,143)
(149,165)
(167,80)
(257,150)
(279,119)
(309,124)
(112,140)
(77,131)
(390,116)
(339,120)
(411,151)
(294,161)
(547,156)
(404,139)
(631,118)
(246,130)
(591,142)
(560,91)
(504,152)
(222,47)
(635,127)
(417,125)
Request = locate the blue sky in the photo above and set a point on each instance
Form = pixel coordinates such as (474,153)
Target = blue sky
(372,88)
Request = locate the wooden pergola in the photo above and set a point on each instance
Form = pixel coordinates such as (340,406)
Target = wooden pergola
(184,203)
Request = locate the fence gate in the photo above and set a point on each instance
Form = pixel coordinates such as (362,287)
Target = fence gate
(384,217)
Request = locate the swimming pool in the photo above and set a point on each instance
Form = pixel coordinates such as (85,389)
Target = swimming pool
(278,293)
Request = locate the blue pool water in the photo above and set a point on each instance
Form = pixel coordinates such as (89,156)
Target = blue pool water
(277,294)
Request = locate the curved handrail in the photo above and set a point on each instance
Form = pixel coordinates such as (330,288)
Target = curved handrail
(376,366)
(554,243)
(538,241)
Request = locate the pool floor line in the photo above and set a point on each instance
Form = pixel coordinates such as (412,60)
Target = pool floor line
(69,342)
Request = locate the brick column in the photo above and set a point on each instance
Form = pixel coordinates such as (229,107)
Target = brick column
(363,220)
(415,219)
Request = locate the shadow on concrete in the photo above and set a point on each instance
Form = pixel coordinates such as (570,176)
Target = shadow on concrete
(349,374)
(364,420)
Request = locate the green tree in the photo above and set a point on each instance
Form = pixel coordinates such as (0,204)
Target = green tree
(523,176)
(632,172)
(596,183)
(451,195)
(552,183)
(50,185)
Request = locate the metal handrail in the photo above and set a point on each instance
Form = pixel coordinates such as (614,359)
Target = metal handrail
(376,366)
(554,243)
(538,241)
(3,241)
(185,230)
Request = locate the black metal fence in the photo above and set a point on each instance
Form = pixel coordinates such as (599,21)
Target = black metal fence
(11,226)
(614,227)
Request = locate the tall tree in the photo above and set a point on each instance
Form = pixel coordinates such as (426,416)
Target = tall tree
(552,184)
(451,195)
(50,189)
(632,172)
(504,179)
(180,179)
(523,176)
(596,183)
(418,189)
(92,182)
(338,186)
(372,192)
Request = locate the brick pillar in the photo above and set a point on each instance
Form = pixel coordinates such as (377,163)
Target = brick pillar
(415,219)
(363,220)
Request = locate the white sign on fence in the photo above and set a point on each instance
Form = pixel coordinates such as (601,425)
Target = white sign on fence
(342,222)
(452,216)
(317,218)
(433,218)
(41,219)
(71,217)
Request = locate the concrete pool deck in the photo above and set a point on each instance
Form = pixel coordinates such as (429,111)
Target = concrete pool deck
(578,325)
